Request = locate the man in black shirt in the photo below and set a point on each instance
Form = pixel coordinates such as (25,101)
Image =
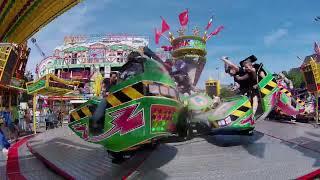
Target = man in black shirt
(237,72)
(247,77)
(254,75)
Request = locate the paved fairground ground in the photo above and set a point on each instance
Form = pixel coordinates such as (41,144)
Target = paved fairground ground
(275,151)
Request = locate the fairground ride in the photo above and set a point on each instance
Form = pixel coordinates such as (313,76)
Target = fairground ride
(311,73)
(191,48)
(19,20)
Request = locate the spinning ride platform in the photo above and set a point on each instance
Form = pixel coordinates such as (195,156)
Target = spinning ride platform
(275,151)
(311,74)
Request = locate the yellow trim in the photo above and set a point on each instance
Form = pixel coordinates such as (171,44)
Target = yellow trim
(238,113)
(86,111)
(132,93)
(265,91)
(14,10)
(44,13)
(75,115)
(113,100)
(272,84)
(247,104)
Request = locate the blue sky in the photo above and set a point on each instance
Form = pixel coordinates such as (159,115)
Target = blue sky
(276,32)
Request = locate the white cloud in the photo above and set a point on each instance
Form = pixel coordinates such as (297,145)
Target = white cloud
(275,36)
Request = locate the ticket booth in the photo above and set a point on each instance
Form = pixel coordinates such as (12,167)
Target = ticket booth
(213,87)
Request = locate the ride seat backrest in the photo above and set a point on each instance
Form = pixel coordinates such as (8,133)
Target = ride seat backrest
(133,67)
(260,69)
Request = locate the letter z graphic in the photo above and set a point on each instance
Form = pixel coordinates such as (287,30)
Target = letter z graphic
(124,121)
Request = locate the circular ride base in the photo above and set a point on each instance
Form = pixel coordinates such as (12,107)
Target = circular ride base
(275,151)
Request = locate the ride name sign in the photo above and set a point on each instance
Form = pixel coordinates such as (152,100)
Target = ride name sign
(32,87)
(189,43)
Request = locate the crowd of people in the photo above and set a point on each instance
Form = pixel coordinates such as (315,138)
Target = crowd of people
(15,122)
(9,130)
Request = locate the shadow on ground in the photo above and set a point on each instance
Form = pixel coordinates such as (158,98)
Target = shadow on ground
(249,143)
(160,157)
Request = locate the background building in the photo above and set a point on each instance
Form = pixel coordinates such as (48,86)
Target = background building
(82,57)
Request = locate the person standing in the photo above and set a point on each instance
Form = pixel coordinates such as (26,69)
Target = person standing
(28,120)
(13,135)
(21,120)
(4,144)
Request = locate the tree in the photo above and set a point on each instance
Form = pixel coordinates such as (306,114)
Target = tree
(226,92)
(296,76)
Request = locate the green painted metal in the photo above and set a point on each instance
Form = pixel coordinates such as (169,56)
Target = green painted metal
(153,71)
(118,141)
(268,102)
(76,49)
(123,47)
(197,102)
(36,86)
(142,134)
(236,103)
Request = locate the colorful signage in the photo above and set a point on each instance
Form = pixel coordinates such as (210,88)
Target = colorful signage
(36,86)
(96,54)
(190,43)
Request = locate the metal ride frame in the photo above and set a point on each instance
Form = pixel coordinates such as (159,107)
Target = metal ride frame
(312,70)
(48,85)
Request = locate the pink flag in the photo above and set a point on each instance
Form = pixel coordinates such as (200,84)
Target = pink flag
(184,17)
(215,32)
(209,23)
(164,26)
(166,48)
(316,48)
(157,35)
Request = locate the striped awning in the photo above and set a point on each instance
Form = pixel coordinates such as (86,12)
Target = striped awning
(20,19)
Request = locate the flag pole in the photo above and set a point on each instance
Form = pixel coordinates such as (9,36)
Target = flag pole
(165,37)
(188,20)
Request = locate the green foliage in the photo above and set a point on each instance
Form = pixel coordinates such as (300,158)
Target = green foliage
(225,92)
(295,76)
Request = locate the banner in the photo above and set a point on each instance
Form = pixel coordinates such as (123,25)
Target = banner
(31,88)
(190,43)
